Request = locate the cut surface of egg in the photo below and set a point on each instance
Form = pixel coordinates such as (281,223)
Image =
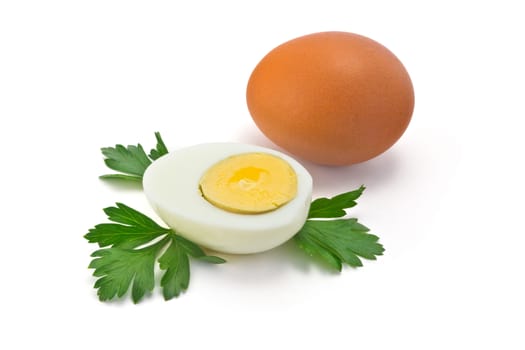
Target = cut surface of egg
(230,197)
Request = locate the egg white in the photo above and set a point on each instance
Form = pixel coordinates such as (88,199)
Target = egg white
(171,185)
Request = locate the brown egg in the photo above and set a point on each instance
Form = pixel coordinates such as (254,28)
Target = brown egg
(332,98)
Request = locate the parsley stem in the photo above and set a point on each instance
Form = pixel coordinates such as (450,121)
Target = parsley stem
(160,244)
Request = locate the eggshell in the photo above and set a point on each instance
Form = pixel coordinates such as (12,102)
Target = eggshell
(333,98)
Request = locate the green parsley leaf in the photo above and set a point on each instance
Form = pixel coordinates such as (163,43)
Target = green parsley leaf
(313,249)
(334,207)
(161,149)
(337,241)
(130,230)
(177,266)
(131,161)
(135,242)
(119,268)
(176,263)
(129,216)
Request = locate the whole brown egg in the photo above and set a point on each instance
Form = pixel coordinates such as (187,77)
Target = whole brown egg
(333,98)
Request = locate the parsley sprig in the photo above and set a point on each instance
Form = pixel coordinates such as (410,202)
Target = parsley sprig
(131,161)
(133,243)
(336,241)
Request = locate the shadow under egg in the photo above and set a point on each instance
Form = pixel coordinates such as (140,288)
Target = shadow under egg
(376,172)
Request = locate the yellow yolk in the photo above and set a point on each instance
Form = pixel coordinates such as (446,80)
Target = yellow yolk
(249,183)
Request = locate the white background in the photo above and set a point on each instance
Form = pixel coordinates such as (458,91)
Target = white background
(447,200)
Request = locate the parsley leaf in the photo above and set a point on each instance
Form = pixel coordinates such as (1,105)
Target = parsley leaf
(130,230)
(334,207)
(176,263)
(177,276)
(161,149)
(337,241)
(119,268)
(134,243)
(131,161)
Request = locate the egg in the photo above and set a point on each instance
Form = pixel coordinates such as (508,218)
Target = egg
(333,98)
(230,197)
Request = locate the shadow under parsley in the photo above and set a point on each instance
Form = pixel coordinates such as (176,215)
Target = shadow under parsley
(122,185)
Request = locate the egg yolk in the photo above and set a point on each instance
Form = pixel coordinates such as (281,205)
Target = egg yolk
(249,183)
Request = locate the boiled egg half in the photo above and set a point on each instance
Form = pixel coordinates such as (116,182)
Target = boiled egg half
(230,197)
